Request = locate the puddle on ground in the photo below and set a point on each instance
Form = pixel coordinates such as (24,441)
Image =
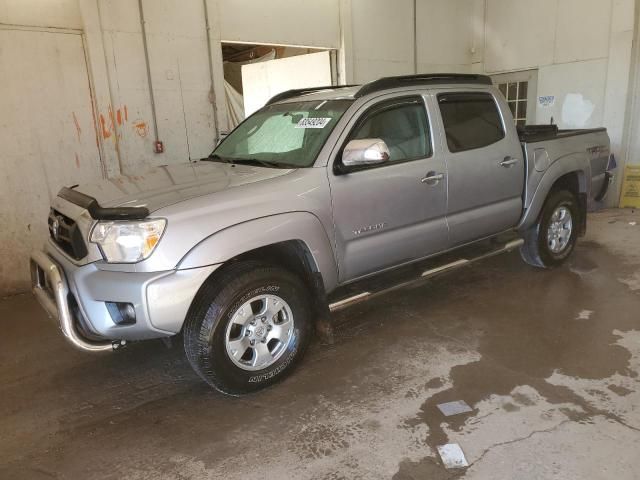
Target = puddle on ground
(535,333)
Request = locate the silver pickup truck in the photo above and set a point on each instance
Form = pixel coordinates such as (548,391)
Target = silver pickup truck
(323,198)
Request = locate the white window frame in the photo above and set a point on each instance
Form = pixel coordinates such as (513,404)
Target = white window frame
(529,76)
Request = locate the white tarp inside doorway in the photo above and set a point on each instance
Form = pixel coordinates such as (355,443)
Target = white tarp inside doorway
(263,80)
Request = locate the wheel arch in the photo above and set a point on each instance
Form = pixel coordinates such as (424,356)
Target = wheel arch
(568,175)
(235,240)
(296,241)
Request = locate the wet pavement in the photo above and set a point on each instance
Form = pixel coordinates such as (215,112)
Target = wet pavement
(547,360)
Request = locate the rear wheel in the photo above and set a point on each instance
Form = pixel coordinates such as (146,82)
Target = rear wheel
(552,239)
(248,328)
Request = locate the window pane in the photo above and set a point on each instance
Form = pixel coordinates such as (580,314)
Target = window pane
(513,91)
(521,123)
(522,109)
(402,124)
(512,106)
(471,120)
(522,90)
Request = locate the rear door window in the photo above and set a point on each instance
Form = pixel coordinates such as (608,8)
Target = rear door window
(471,120)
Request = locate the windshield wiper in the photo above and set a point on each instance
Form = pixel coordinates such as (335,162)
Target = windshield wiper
(262,163)
(214,157)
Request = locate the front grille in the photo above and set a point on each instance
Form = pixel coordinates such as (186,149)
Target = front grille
(66,234)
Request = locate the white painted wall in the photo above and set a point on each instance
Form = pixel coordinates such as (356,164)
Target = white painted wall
(47,137)
(41,13)
(177,46)
(382,33)
(281,22)
(582,50)
(382,37)
(444,35)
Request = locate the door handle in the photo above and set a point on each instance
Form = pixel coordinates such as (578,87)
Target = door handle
(508,161)
(432,178)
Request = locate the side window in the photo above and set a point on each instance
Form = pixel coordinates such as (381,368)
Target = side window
(471,120)
(402,124)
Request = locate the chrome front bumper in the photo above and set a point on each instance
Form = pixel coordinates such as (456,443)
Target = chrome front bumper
(52,292)
(77,295)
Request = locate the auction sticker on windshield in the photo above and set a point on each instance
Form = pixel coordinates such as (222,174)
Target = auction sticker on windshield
(313,123)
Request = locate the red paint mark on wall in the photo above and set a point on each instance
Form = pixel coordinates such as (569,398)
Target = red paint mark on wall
(141,128)
(106,131)
(120,117)
(77,124)
(112,119)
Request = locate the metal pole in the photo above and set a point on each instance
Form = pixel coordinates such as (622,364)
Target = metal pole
(415,37)
(146,59)
(111,99)
(212,92)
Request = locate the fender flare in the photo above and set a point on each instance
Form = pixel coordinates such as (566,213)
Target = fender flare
(261,232)
(573,163)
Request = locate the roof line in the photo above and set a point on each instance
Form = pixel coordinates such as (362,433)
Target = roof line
(296,92)
(387,83)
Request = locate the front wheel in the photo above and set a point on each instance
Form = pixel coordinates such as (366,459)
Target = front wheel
(552,239)
(248,328)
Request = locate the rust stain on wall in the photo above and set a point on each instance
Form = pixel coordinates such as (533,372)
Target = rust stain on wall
(141,128)
(77,124)
(106,132)
(112,118)
(77,161)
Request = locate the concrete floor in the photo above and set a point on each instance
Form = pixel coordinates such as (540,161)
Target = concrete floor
(549,360)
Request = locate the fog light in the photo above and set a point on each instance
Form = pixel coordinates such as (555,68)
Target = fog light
(122,313)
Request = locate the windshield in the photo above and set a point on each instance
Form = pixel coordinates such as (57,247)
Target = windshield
(288,135)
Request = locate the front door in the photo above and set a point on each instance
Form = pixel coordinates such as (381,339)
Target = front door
(388,214)
(485,166)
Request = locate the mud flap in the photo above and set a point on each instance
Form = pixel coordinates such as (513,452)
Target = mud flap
(582,205)
(323,326)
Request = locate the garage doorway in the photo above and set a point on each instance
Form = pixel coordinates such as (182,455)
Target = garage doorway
(255,73)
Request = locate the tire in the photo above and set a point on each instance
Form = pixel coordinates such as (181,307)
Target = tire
(212,329)
(538,250)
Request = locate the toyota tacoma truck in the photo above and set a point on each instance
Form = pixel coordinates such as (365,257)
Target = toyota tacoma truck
(323,198)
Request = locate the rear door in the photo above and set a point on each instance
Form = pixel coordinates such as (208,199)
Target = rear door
(485,165)
(388,214)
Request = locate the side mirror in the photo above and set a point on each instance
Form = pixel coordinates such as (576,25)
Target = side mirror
(367,151)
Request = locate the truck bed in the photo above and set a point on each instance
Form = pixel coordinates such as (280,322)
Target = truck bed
(543,145)
(542,133)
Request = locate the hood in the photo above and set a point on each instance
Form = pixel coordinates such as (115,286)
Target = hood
(163,186)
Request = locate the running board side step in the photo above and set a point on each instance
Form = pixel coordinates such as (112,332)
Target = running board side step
(425,274)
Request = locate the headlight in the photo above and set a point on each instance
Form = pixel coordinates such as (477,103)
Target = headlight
(127,241)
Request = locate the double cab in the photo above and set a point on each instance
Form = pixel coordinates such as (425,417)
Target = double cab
(322,198)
